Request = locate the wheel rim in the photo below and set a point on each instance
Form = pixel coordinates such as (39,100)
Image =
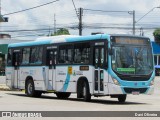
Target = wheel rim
(30,88)
(84,91)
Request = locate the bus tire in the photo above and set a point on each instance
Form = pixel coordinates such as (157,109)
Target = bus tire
(30,89)
(79,89)
(63,95)
(122,98)
(85,92)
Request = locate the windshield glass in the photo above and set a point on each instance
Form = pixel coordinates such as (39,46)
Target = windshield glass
(132,59)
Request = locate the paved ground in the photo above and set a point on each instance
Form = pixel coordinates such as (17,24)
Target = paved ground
(17,101)
(2,79)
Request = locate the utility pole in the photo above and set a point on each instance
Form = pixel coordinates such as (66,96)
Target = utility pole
(141,32)
(54,23)
(80,20)
(0,7)
(49,32)
(134,22)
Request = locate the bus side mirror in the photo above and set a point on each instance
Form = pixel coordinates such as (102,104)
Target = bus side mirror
(110,51)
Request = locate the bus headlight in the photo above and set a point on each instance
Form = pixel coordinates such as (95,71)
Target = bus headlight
(152,82)
(115,81)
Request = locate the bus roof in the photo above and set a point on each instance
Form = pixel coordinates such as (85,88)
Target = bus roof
(59,39)
(65,38)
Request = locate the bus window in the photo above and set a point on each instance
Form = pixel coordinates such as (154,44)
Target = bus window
(65,54)
(36,55)
(82,53)
(25,56)
(16,58)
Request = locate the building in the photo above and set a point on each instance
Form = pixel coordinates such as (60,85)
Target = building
(156,52)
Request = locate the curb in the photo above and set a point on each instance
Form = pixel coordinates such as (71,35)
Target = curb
(3,87)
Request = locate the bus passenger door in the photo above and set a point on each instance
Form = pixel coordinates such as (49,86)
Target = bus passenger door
(51,62)
(16,63)
(99,72)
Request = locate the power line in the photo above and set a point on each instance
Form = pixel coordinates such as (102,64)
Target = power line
(30,8)
(106,11)
(75,8)
(75,27)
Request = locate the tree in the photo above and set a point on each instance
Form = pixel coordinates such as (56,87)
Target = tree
(61,31)
(156,35)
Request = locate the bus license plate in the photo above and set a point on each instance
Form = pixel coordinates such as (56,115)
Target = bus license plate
(135,92)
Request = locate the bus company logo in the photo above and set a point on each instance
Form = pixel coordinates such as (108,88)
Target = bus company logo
(6,114)
(135,84)
(77,73)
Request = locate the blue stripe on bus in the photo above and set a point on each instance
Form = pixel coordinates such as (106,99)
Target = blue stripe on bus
(66,83)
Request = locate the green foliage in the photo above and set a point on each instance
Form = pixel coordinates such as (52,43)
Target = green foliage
(61,31)
(156,35)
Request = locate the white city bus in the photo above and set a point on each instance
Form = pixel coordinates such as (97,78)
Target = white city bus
(94,65)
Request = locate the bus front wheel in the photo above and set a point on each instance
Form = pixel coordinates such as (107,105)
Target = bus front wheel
(85,92)
(122,98)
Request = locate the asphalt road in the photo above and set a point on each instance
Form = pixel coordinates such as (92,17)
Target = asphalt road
(17,101)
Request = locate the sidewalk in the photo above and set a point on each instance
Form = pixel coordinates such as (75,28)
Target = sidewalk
(3,87)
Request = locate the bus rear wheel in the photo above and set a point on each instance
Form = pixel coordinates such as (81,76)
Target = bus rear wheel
(122,98)
(63,95)
(30,89)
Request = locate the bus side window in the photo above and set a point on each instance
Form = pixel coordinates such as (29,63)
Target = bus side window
(16,59)
(66,54)
(25,56)
(82,53)
(36,55)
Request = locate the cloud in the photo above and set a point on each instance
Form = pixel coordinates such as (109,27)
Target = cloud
(43,17)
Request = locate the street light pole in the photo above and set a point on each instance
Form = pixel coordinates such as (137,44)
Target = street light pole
(129,12)
(133,13)
(146,14)
(133,22)
(143,17)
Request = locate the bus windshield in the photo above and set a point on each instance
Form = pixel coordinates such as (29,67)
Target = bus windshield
(132,59)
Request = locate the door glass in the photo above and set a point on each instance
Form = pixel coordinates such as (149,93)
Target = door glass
(96,57)
(101,57)
(99,63)
(55,60)
(16,59)
(51,57)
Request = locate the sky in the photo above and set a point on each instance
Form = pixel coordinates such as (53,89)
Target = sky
(38,22)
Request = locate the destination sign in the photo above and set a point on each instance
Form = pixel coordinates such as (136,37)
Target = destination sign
(130,40)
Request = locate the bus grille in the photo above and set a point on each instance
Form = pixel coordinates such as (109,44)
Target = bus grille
(130,90)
